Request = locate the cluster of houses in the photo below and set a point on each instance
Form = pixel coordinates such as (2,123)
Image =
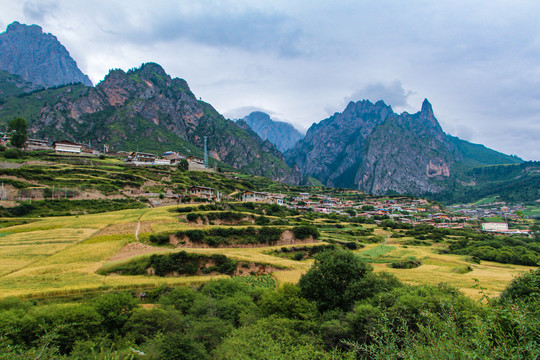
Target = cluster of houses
(169,158)
(405,210)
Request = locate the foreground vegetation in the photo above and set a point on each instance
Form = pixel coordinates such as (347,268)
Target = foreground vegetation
(340,309)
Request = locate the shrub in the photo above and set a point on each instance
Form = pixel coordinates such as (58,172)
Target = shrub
(159,238)
(268,235)
(262,220)
(405,264)
(195,235)
(523,287)
(305,231)
(350,245)
(192,217)
(13,154)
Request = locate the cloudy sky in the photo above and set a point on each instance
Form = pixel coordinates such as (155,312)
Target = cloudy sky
(477,62)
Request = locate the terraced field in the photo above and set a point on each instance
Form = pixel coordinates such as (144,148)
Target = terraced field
(61,255)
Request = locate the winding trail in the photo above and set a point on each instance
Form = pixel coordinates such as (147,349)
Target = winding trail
(137,229)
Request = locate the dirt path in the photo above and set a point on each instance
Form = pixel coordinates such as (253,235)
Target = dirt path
(137,229)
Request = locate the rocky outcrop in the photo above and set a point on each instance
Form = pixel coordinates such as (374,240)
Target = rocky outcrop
(38,57)
(335,148)
(145,108)
(371,148)
(283,135)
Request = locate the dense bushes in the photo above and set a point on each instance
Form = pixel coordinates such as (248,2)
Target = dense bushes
(305,231)
(186,263)
(229,236)
(229,216)
(159,239)
(181,263)
(506,250)
(339,310)
(406,264)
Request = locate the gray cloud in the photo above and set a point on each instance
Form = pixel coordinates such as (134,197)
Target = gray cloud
(243,111)
(38,10)
(391,93)
(216,25)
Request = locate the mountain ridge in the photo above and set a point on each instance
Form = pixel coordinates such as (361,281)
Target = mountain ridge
(373,149)
(146,109)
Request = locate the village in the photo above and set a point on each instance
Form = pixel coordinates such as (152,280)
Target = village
(399,209)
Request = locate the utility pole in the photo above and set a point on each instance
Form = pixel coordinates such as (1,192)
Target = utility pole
(205,152)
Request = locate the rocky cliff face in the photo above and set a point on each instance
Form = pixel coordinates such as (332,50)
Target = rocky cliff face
(279,133)
(39,58)
(148,110)
(333,149)
(407,154)
(371,148)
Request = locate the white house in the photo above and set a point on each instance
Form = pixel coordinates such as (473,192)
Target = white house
(205,193)
(66,146)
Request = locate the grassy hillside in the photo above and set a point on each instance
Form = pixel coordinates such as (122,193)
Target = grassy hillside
(62,255)
(478,155)
(514,183)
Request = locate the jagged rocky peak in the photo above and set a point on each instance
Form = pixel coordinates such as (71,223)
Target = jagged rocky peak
(427,114)
(38,57)
(371,148)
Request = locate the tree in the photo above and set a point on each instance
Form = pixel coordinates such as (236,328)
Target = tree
(334,279)
(287,302)
(116,309)
(183,165)
(17,128)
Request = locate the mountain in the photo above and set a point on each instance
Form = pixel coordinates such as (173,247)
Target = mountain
(371,148)
(37,57)
(279,133)
(148,110)
(13,85)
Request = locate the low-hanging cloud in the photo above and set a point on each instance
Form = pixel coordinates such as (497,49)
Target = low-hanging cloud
(391,93)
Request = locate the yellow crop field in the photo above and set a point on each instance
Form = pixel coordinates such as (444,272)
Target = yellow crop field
(60,255)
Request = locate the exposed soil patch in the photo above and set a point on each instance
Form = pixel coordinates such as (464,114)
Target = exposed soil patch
(133,249)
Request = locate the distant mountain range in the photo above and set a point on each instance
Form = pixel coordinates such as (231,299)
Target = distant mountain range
(279,133)
(37,57)
(367,146)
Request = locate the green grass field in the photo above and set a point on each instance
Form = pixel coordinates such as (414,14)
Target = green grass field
(61,256)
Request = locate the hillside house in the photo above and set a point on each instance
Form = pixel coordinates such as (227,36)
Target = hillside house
(304,196)
(254,196)
(195,163)
(87,150)
(162,162)
(67,147)
(205,193)
(264,197)
(173,156)
(495,227)
(36,144)
(140,158)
